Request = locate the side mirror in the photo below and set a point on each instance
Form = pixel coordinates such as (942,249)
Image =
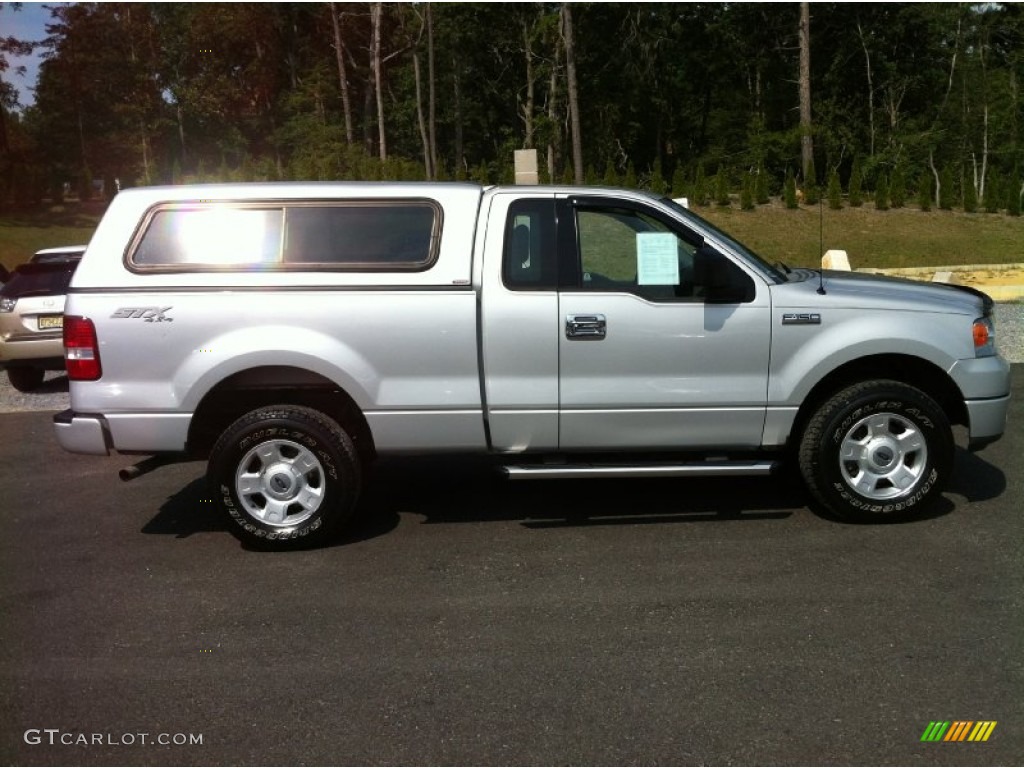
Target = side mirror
(723,282)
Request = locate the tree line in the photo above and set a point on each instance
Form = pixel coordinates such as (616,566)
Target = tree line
(887,100)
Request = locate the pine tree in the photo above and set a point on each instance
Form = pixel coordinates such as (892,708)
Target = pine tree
(924,191)
(248,169)
(789,190)
(1013,193)
(590,177)
(700,184)
(898,188)
(747,192)
(85,184)
(835,191)
(811,192)
(761,186)
(722,187)
(856,184)
(657,179)
(970,196)
(946,192)
(882,193)
(679,181)
(272,171)
(993,189)
(611,178)
(630,181)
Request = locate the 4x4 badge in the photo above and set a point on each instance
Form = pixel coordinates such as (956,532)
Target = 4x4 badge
(146,314)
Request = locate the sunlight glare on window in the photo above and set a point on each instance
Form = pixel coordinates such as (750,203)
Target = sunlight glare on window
(227,236)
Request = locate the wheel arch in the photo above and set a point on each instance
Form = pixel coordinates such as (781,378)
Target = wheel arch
(261,386)
(915,371)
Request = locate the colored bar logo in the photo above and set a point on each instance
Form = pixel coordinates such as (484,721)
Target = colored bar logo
(958,730)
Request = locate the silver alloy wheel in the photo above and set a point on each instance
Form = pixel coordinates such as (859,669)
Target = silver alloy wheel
(280,483)
(883,456)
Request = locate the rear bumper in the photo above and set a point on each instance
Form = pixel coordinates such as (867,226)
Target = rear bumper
(46,363)
(80,433)
(122,432)
(34,348)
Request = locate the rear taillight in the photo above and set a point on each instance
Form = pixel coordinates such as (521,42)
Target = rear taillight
(81,349)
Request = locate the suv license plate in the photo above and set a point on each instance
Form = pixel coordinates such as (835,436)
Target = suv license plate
(47,322)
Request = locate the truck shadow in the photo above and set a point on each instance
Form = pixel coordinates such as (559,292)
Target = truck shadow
(974,478)
(443,490)
(54,383)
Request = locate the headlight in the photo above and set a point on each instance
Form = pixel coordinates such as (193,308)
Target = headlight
(984,337)
(7,304)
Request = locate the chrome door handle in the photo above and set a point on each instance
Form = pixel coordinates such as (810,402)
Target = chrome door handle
(585,327)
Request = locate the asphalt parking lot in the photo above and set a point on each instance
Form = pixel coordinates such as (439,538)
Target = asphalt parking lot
(471,621)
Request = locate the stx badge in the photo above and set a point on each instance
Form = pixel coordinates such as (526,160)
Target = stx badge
(146,314)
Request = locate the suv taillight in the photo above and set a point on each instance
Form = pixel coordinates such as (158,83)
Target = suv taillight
(81,349)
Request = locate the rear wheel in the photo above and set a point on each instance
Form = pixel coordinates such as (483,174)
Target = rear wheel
(25,378)
(877,451)
(285,475)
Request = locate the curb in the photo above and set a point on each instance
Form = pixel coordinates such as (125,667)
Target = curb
(1001,293)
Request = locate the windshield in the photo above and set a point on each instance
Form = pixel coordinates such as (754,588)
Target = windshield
(755,260)
(38,280)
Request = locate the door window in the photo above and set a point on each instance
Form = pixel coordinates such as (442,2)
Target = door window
(626,250)
(530,261)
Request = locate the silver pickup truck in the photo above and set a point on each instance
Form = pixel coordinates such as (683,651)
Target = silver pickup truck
(292,332)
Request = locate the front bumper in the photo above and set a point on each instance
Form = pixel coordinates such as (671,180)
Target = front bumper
(986,421)
(79,433)
(985,384)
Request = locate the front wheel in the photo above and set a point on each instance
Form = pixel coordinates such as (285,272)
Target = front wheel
(285,474)
(877,451)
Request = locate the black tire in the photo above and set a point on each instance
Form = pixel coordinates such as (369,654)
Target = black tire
(25,378)
(899,452)
(285,475)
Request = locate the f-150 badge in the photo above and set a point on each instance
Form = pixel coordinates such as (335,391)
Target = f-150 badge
(801,318)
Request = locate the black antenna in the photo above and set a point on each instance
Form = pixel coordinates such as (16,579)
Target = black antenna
(821,246)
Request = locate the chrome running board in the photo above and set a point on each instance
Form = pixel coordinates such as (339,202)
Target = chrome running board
(671,469)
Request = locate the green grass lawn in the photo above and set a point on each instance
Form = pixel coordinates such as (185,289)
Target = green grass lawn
(23,233)
(906,237)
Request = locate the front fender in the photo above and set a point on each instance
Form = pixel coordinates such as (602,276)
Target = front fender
(803,355)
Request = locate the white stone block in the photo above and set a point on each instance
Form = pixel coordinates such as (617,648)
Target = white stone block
(526,166)
(834,259)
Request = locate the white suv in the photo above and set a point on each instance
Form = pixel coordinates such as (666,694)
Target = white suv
(32,316)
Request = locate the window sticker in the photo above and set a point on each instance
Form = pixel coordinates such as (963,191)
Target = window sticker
(657,258)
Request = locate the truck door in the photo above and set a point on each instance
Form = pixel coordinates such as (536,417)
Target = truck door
(663,342)
(519,322)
